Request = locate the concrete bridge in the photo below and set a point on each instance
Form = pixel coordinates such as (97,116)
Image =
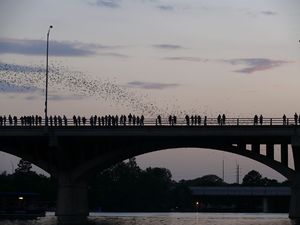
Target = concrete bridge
(72,152)
(264,193)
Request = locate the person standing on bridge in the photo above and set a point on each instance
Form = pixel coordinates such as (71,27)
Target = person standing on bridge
(170,120)
(205,120)
(261,120)
(129,118)
(219,119)
(199,120)
(296,118)
(65,120)
(255,120)
(159,120)
(187,119)
(11,121)
(284,119)
(223,119)
(142,120)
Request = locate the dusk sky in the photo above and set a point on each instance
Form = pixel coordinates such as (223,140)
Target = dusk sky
(239,57)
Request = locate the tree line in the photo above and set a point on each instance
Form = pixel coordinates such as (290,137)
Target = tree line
(126,187)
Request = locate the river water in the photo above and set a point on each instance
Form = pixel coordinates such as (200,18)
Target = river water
(169,219)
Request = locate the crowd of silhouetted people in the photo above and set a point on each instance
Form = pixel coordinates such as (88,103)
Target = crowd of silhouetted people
(133,120)
(109,120)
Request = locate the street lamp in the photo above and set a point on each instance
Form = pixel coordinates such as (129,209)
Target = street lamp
(46,99)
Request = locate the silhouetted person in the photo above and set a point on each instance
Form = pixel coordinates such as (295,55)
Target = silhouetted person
(109,120)
(15,120)
(65,120)
(74,120)
(99,121)
(36,120)
(284,119)
(296,118)
(170,120)
(116,120)
(83,121)
(261,120)
(223,119)
(10,120)
(133,119)
(138,120)
(192,120)
(95,120)
(255,120)
(129,118)
(187,120)
(142,120)
(91,121)
(124,120)
(55,120)
(59,121)
(174,120)
(159,119)
(219,119)
(4,120)
(51,121)
(199,120)
(1,120)
(78,120)
(205,120)
(46,121)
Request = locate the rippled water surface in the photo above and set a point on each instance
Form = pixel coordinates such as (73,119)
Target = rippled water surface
(169,219)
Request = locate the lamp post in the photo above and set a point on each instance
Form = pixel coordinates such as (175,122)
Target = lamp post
(46,98)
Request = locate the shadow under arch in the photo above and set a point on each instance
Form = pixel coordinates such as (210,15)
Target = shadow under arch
(104,161)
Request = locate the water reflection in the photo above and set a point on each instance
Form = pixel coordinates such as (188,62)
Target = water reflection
(169,219)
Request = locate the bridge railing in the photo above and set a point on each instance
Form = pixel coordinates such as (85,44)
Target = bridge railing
(192,122)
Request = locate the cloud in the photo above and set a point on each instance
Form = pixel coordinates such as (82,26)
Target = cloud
(150,85)
(107,3)
(168,46)
(35,92)
(252,65)
(165,7)
(187,58)
(6,87)
(268,13)
(255,14)
(113,54)
(5,67)
(65,97)
(57,48)
(256,64)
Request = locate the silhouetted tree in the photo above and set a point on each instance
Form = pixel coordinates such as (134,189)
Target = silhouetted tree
(253,178)
(23,166)
(207,180)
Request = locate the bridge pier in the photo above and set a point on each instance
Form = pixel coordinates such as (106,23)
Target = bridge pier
(72,201)
(265,205)
(294,213)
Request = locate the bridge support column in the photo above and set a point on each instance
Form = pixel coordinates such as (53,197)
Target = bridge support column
(72,202)
(295,188)
(294,213)
(256,148)
(284,154)
(265,205)
(270,151)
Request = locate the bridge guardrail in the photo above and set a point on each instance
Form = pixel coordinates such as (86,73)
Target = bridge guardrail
(101,121)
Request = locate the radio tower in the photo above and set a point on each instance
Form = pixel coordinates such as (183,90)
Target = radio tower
(237,173)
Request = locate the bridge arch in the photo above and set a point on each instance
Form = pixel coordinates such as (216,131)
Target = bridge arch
(113,157)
